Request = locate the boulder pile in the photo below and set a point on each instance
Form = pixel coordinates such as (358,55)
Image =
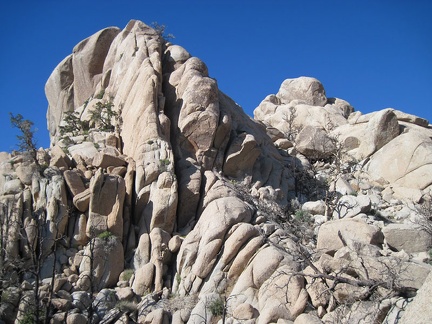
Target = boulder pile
(161,201)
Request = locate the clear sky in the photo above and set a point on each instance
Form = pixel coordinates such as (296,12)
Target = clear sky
(373,53)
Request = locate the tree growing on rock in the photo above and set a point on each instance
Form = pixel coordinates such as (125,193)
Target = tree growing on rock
(102,114)
(161,31)
(26,141)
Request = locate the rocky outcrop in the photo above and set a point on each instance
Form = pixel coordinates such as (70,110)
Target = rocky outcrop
(163,201)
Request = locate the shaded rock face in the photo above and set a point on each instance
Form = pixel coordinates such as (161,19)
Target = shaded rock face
(172,190)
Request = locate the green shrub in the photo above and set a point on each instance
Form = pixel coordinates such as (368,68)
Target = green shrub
(164,162)
(28,318)
(217,307)
(73,124)
(302,216)
(127,274)
(105,235)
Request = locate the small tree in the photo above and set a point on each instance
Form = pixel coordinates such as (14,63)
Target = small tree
(289,117)
(161,31)
(26,141)
(73,124)
(102,114)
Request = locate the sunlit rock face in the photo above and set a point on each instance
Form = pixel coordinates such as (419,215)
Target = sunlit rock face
(160,195)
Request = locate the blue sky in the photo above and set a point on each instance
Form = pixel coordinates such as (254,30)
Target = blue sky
(374,54)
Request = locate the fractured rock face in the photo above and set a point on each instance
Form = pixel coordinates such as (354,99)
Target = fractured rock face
(196,198)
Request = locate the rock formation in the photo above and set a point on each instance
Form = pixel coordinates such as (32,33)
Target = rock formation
(161,201)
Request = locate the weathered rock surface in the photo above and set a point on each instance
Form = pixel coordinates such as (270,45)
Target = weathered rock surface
(418,311)
(411,169)
(329,235)
(410,238)
(179,193)
(309,90)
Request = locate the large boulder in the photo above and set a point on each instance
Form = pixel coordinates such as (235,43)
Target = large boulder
(315,143)
(329,235)
(307,89)
(74,182)
(407,237)
(104,258)
(405,161)
(350,206)
(106,204)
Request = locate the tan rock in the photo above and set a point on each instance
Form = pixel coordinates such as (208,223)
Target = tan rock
(410,238)
(103,160)
(176,55)
(120,171)
(61,304)
(106,204)
(328,239)
(196,255)
(315,207)
(411,169)
(82,200)
(350,206)
(402,116)
(163,202)
(12,187)
(160,254)
(257,272)
(189,186)
(175,243)
(86,150)
(245,311)
(144,278)
(80,237)
(142,253)
(157,316)
(241,260)
(25,171)
(87,62)
(241,155)
(314,143)
(307,319)
(309,90)
(108,261)
(76,318)
(125,293)
(418,311)
(359,312)
(340,105)
(381,129)
(243,233)
(74,182)
(59,91)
